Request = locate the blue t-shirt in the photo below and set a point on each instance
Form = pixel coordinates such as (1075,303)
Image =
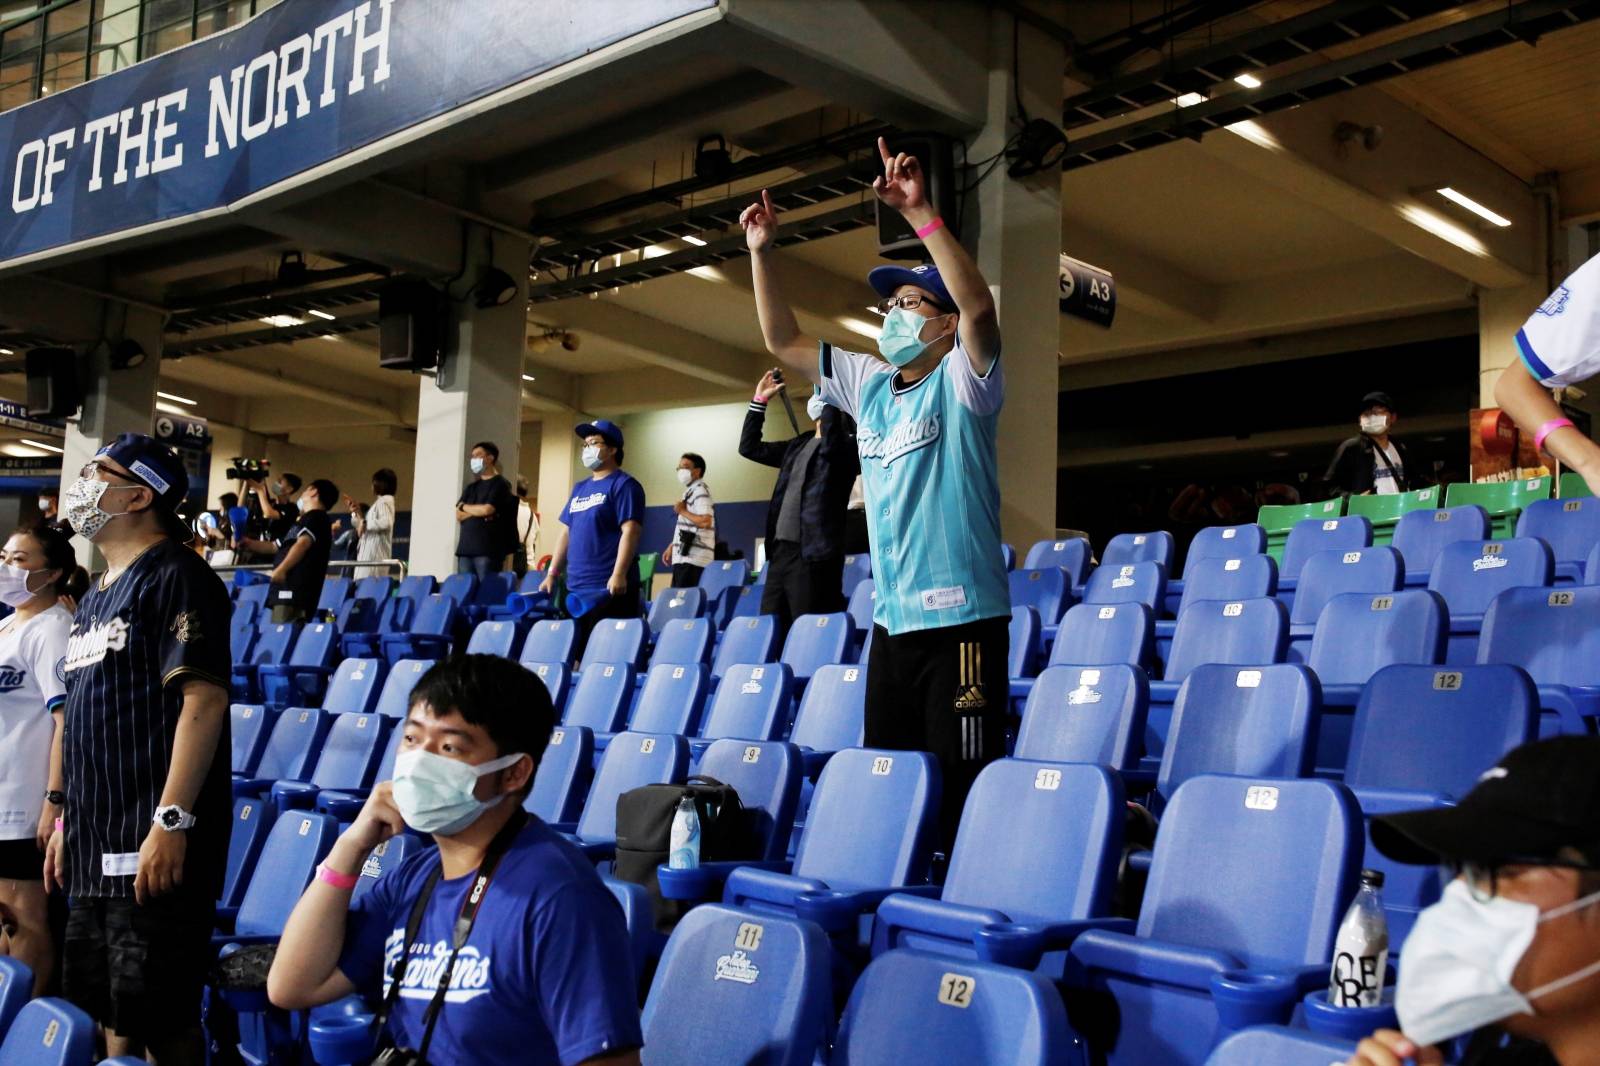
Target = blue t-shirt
(545,977)
(593,516)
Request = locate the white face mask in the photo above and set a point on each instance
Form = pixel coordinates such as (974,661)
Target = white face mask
(434,793)
(14,591)
(815,406)
(1456,966)
(83,507)
(685,477)
(476,464)
(1372,425)
(591,456)
(45,502)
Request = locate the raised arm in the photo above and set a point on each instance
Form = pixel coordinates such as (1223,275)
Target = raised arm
(1531,405)
(751,446)
(778,326)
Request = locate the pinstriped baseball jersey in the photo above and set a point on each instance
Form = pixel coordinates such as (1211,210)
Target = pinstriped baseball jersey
(1560,342)
(133,644)
(929,470)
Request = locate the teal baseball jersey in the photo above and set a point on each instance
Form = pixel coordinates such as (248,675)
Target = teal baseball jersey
(928,469)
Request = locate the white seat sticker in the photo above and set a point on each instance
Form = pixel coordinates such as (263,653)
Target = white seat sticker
(1107,612)
(647,745)
(1441,516)
(851,675)
(1248,679)
(1561,599)
(881,766)
(1082,695)
(677,673)
(557,736)
(1352,557)
(955,990)
(609,671)
(1047,780)
(1330,525)
(1232,564)
(1232,610)
(1382,603)
(1088,677)
(752,754)
(1229,534)
(1448,681)
(1261,798)
(1122,583)
(1140,539)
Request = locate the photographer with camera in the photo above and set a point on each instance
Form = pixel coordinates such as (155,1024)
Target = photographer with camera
(500,944)
(300,556)
(694,536)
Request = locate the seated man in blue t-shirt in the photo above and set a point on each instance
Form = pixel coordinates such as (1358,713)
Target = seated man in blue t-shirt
(544,975)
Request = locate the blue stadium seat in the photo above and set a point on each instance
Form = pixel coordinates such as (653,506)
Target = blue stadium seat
(1026,649)
(684,640)
(273,644)
(746,640)
(746,602)
(251,725)
(767,776)
(1420,536)
(1097,635)
(291,749)
(860,606)
(348,759)
(1126,548)
(1008,555)
(550,642)
(671,700)
(564,775)
(1092,714)
(815,641)
(1470,574)
(335,591)
(493,591)
(1326,575)
(1245,577)
(1241,633)
(601,698)
(1257,721)
(49,1032)
(1072,555)
(375,587)
(355,686)
(430,632)
(395,699)
(1046,591)
(1005,898)
(904,1010)
(394,616)
(1280,1046)
(302,678)
(722,582)
(832,715)
(1208,913)
(1553,634)
(16,988)
(459,587)
(620,640)
(356,616)
(857,568)
(733,988)
(752,703)
(557,680)
(1313,535)
(673,604)
(252,819)
(631,760)
(417,587)
(1144,583)
(1570,527)
(256,594)
(1422,737)
(1225,542)
(382,859)
(493,638)
(242,633)
(525,601)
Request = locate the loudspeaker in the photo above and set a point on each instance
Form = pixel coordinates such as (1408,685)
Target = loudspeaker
(53,383)
(411,323)
(936,153)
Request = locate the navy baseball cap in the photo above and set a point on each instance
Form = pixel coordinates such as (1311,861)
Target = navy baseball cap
(155,465)
(885,279)
(606,429)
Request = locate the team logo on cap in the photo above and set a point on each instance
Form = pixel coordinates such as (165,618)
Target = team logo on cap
(1556,302)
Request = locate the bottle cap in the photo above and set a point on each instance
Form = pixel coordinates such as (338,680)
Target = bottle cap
(1372,877)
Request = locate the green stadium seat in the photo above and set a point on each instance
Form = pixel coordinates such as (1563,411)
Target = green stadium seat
(1278,519)
(1573,486)
(1504,500)
(1384,511)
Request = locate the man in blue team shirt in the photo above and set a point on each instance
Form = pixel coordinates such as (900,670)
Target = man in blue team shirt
(600,544)
(544,975)
(926,416)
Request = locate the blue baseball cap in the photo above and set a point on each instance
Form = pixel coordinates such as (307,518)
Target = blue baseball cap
(885,279)
(604,428)
(154,465)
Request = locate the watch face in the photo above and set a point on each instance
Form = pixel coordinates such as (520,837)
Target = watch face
(171,819)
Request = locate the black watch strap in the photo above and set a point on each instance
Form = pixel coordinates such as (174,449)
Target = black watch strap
(56,799)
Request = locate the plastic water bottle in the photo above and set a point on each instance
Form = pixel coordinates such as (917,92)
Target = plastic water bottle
(685,853)
(1361,952)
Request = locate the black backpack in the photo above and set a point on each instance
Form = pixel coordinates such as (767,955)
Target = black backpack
(644,835)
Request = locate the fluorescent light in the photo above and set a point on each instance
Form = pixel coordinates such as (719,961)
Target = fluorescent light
(874,309)
(529,377)
(7,351)
(696,241)
(1443,228)
(1249,81)
(1190,99)
(283,321)
(331,337)
(172,408)
(1474,206)
(41,444)
(855,325)
(1255,133)
(321,314)
(177,399)
(709,273)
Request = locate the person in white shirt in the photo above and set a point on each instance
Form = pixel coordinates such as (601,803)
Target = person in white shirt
(35,566)
(527,529)
(694,534)
(1373,462)
(375,528)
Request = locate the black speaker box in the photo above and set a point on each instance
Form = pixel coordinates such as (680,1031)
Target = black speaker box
(936,153)
(53,390)
(411,325)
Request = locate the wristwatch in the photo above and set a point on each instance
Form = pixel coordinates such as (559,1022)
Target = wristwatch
(173,818)
(55,799)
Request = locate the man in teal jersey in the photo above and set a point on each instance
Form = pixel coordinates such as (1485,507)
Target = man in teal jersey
(926,413)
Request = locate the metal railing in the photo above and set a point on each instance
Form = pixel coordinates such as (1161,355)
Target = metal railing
(343,564)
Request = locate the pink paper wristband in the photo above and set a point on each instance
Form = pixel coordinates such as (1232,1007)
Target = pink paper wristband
(335,878)
(936,224)
(1549,428)
(58,825)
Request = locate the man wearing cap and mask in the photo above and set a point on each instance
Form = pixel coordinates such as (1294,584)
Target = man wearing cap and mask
(1372,463)
(144,750)
(1511,952)
(927,414)
(599,543)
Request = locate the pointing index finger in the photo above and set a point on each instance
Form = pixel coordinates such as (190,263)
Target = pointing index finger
(883,149)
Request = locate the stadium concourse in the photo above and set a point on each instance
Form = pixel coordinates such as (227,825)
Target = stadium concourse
(259,255)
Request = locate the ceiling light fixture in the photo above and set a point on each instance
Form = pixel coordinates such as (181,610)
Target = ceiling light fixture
(1255,133)
(1190,99)
(1474,206)
(7,351)
(283,321)
(1249,81)
(177,399)
(855,325)
(172,408)
(42,445)
(696,241)
(529,377)
(322,314)
(1443,228)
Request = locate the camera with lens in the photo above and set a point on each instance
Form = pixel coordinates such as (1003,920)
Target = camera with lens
(686,541)
(246,469)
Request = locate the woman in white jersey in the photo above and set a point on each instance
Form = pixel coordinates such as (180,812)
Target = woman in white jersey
(35,565)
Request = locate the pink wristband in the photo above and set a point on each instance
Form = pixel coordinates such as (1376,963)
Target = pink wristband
(335,878)
(1549,428)
(936,224)
(758,398)
(58,825)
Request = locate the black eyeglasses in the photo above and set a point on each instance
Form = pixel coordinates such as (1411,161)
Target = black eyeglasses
(910,301)
(1483,878)
(93,469)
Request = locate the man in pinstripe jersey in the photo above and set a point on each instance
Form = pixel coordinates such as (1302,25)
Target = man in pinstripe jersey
(145,759)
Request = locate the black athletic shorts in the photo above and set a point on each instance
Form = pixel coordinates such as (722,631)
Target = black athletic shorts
(21,860)
(139,971)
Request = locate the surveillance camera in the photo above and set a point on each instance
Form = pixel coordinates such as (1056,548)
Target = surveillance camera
(570,341)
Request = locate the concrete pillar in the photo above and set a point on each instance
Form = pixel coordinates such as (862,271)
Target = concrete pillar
(477,395)
(558,471)
(114,401)
(1015,227)
(1501,312)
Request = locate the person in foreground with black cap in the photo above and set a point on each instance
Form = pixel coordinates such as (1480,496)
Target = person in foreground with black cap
(1511,953)
(1371,462)
(145,755)
(599,544)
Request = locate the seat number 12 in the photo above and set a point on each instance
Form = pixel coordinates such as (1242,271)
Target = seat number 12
(955,990)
